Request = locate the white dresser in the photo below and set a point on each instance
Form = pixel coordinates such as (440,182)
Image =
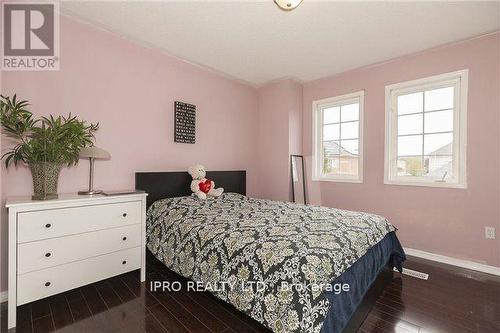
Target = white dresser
(61,244)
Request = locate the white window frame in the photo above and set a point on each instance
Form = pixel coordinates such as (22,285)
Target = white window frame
(459,80)
(317,122)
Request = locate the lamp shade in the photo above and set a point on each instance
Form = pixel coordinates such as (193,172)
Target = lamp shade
(94,152)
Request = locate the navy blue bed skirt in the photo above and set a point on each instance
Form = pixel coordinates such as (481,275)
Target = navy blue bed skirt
(360,277)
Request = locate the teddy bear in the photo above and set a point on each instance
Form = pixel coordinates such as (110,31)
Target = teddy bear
(201,186)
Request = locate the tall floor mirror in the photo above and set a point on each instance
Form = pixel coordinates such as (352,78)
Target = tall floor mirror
(298,179)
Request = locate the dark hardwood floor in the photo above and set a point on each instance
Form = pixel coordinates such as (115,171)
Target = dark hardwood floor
(452,300)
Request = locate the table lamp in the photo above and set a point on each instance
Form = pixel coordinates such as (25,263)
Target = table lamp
(93,153)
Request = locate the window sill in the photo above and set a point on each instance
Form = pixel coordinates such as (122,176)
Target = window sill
(338,180)
(425,184)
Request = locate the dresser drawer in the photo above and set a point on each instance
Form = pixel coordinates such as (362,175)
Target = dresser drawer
(38,225)
(47,253)
(50,281)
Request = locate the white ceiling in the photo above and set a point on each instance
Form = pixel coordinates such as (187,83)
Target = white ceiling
(256,42)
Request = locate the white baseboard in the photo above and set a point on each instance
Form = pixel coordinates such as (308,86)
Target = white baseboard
(3,296)
(475,266)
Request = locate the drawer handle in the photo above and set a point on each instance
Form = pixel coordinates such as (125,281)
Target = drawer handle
(124,238)
(124,262)
(48,225)
(48,254)
(124,215)
(47,284)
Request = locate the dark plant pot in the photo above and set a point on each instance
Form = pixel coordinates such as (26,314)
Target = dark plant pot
(45,176)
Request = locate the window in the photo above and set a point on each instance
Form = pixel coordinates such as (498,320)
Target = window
(338,143)
(426,131)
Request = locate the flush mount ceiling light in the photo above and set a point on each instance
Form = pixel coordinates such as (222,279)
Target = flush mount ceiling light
(288,4)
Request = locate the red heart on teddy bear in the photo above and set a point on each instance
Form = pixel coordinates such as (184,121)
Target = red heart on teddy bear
(205,186)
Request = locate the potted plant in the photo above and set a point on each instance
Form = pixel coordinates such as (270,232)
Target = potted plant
(44,144)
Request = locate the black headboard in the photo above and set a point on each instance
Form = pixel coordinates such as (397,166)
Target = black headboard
(160,185)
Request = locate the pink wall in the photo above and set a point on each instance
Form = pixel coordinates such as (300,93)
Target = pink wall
(443,221)
(295,118)
(279,135)
(130,91)
(294,126)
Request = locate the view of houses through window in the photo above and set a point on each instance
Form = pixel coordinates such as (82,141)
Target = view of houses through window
(425,133)
(337,127)
(341,139)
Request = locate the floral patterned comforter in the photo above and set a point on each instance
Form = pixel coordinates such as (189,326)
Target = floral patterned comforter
(232,240)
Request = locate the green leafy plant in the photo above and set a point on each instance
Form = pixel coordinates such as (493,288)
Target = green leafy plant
(46,139)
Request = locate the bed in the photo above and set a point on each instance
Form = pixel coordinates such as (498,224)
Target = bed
(285,265)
